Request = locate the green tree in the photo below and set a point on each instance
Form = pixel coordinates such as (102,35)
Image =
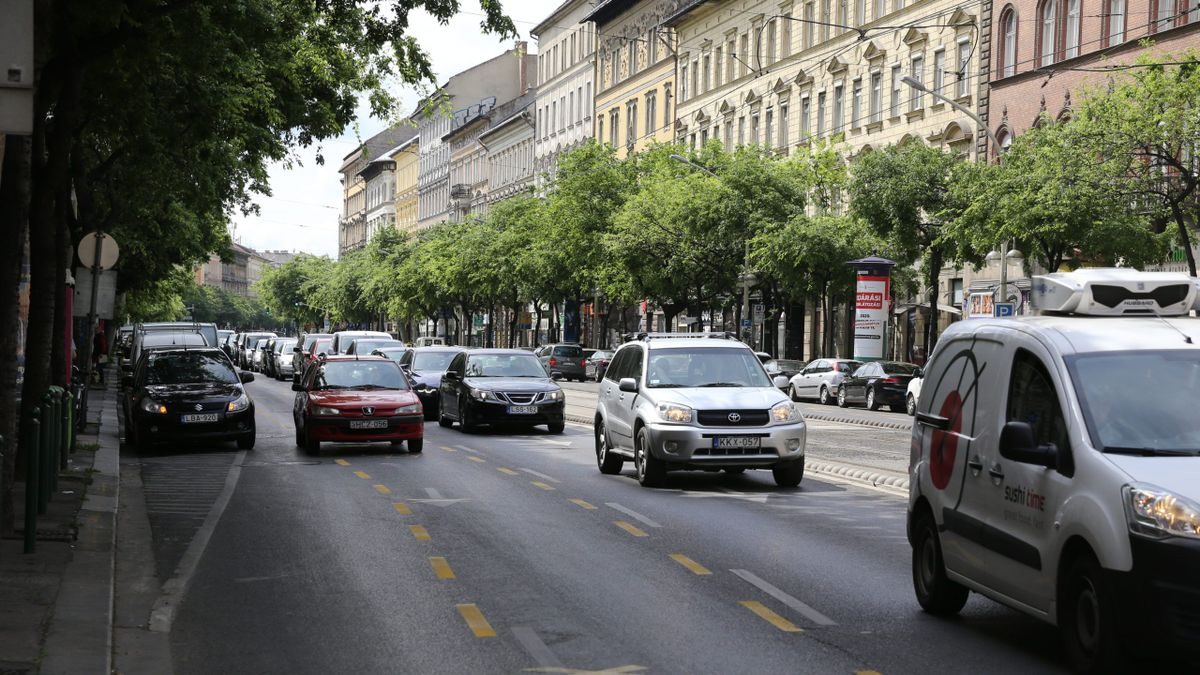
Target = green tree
(291,290)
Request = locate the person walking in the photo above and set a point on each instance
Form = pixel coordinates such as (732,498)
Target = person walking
(99,354)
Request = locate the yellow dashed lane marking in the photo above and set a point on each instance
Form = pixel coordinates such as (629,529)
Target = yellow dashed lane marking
(363,475)
(383,489)
(507,471)
(475,621)
(692,565)
(630,528)
(342,462)
(402,509)
(584,504)
(441,568)
(448,448)
(867,672)
(419,532)
(473,458)
(770,617)
(544,486)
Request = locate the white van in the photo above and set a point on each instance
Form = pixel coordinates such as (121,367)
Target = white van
(342,339)
(1056,465)
(429,341)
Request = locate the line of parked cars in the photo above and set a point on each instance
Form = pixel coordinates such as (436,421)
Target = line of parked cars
(846,382)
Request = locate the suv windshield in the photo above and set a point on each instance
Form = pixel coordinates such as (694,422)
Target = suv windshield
(367,345)
(504,365)
(1140,402)
(360,375)
(568,352)
(189,368)
(432,361)
(705,367)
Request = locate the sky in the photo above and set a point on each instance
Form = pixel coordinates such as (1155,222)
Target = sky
(301,214)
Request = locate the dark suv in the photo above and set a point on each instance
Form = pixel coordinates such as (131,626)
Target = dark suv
(566,361)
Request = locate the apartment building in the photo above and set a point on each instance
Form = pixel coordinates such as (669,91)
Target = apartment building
(353,231)
(406,165)
(510,147)
(379,190)
(566,68)
(634,73)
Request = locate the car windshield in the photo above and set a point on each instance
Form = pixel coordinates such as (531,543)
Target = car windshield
(432,361)
(504,365)
(568,352)
(848,366)
(899,368)
(189,368)
(261,343)
(172,339)
(393,354)
(705,367)
(362,346)
(322,347)
(310,339)
(360,375)
(1140,402)
(284,346)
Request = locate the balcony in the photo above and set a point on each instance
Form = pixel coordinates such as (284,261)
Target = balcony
(460,191)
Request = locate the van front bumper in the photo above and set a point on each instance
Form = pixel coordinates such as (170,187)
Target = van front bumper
(686,446)
(1159,599)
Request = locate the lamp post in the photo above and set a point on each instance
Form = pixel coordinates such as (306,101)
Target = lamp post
(1012,255)
(916,84)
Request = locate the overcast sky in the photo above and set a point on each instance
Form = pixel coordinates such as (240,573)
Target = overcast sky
(303,211)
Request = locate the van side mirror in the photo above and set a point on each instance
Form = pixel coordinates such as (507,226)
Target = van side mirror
(918,373)
(1017,443)
(628,384)
(450,375)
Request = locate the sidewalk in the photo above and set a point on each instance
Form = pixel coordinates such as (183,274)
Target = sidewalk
(56,616)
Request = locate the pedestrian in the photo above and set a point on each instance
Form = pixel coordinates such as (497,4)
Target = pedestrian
(99,354)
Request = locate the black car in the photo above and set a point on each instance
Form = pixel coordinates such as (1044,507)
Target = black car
(499,387)
(878,383)
(596,364)
(188,394)
(425,367)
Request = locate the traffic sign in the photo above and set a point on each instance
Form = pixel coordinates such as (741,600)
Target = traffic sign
(745,323)
(1005,309)
(108,250)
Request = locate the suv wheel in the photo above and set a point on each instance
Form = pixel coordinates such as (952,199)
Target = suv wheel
(610,463)
(824,397)
(872,403)
(789,475)
(841,400)
(650,471)
(910,405)
(936,593)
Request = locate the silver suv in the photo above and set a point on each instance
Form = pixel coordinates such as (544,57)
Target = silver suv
(699,401)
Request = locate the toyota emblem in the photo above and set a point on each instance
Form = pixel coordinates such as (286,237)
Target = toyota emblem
(368,411)
(735,418)
(199,407)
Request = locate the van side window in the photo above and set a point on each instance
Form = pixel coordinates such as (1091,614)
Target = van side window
(1033,399)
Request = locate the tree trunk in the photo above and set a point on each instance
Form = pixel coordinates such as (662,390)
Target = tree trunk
(1184,237)
(14,221)
(935,270)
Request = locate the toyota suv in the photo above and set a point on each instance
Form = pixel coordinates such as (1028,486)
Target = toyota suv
(700,402)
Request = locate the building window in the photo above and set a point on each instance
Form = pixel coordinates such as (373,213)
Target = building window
(614,121)
(963,87)
(770,43)
(809,26)
(730,60)
(683,82)
(728,135)
(939,72)
(894,109)
(554,115)
(615,67)
(956,292)
(754,129)
(651,112)
(717,66)
(805,105)
(1005,138)
(839,110)
(742,130)
(631,123)
(600,128)
(820,114)
(783,125)
(1114,27)
(590,101)
(916,72)
(1008,44)
(1045,40)
(571,108)
(707,73)
(631,55)
(826,19)
(652,46)
(1164,14)
(1071,39)
(860,12)
(541,124)
(744,53)
(695,89)
(667,106)
(785,34)
(876,96)
(880,8)
(856,103)
(770,128)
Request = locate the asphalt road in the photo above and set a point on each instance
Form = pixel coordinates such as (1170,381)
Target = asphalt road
(501,553)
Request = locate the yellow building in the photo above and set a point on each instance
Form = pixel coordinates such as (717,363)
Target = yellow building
(407,159)
(635,73)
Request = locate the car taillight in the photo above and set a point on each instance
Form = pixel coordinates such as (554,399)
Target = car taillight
(553,362)
(890,380)
(583,363)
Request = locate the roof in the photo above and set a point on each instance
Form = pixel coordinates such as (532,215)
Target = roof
(555,16)
(678,16)
(607,10)
(1090,334)
(497,350)
(381,142)
(335,358)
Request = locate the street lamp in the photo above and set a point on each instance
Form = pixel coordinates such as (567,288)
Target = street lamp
(916,84)
(1013,255)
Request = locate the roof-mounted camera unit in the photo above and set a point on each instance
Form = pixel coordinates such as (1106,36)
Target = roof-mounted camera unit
(1115,292)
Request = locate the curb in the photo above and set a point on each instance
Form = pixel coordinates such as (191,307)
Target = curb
(822,417)
(885,481)
(577,419)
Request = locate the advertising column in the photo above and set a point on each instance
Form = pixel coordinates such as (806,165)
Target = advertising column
(871,302)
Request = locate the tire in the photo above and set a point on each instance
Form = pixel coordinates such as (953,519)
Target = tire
(299,438)
(465,424)
(872,402)
(841,398)
(789,475)
(609,463)
(910,405)
(599,377)
(557,427)
(311,445)
(415,445)
(650,470)
(431,413)
(936,593)
(443,421)
(1087,618)
(824,397)
(246,442)
(792,392)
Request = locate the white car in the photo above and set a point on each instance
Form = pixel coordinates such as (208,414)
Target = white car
(1056,466)
(913,396)
(820,379)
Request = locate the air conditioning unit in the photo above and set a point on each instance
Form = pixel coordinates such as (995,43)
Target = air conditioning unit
(1115,292)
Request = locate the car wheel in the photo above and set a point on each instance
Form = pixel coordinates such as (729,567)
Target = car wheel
(792,392)
(1087,618)
(465,423)
(789,475)
(936,593)
(872,402)
(650,470)
(246,442)
(557,427)
(443,421)
(311,445)
(841,399)
(431,412)
(824,395)
(910,405)
(610,463)
(299,438)
(415,445)
(599,376)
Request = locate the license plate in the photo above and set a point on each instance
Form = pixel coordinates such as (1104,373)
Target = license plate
(203,417)
(736,442)
(522,410)
(368,424)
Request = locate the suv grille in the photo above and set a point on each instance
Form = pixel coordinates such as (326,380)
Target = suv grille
(733,418)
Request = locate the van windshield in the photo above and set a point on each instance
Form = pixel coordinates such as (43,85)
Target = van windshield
(1140,402)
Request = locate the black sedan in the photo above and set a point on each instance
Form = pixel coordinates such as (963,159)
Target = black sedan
(188,394)
(876,384)
(596,364)
(425,367)
(499,387)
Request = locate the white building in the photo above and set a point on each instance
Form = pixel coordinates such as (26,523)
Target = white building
(510,147)
(566,63)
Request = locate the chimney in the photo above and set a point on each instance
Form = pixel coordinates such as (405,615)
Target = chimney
(522,68)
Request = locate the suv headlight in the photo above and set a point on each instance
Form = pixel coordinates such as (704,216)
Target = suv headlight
(554,396)
(1155,512)
(326,411)
(785,412)
(676,412)
(152,406)
(238,404)
(480,394)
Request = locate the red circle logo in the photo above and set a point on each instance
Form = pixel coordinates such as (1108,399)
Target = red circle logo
(943,445)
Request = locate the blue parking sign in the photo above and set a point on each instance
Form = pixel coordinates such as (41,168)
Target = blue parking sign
(1005,309)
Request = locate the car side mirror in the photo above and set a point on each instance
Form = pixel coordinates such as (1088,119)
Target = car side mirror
(450,375)
(246,377)
(556,376)
(1017,443)
(295,349)
(781,382)
(296,386)
(628,384)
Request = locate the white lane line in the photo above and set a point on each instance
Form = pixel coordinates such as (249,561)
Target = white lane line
(632,514)
(808,612)
(533,644)
(541,475)
(473,451)
(433,493)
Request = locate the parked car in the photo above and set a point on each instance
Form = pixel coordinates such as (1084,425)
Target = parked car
(674,401)
(564,360)
(268,354)
(356,399)
(257,353)
(342,339)
(429,341)
(301,352)
(189,393)
(157,339)
(499,386)
(398,354)
(877,384)
(245,358)
(229,344)
(365,345)
(912,397)
(596,364)
(785,368)
(208,330)
(425,367)
(223,337)
(820,379)
(281,358)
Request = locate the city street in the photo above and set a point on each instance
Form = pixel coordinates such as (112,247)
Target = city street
(495,552)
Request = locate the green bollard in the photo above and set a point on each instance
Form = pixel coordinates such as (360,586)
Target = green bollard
(44,470)
(32,465)
(68,445)
(55,437)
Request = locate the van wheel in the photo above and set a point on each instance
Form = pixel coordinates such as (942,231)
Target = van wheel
(872,402)
(1087,618)
(842,403)
(936,593)
(910,405)
(610,463)
(650,471)
(789,475)
(824,397)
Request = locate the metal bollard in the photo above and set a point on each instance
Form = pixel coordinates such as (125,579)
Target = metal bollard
(55,437)
(47,427)
(68,427)
(32,484)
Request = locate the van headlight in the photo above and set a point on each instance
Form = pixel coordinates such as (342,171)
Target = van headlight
(238,404)
(785,412)
(675,412)
(1158,513)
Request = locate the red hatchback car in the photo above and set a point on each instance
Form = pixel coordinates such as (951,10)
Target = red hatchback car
(356,399)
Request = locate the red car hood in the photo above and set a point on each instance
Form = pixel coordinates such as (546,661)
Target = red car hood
(352,398)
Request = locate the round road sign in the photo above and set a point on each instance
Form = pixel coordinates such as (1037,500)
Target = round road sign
(108,250)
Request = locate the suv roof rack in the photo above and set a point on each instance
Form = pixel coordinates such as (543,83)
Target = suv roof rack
(645,337)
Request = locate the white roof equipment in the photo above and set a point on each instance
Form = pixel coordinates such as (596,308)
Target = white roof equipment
(1116,292)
